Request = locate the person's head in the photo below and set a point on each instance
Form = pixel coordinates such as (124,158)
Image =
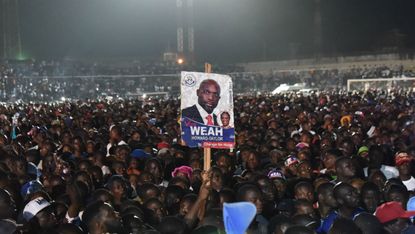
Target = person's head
(377,177)
(147,191)
(376,156)
(403,163)
(103,195)
(186,203)
(100,217)
(393,217)
(267,187)
(345,169)
(250,193)
(346,196)
(172,224)
(304,207)
(357,183)
(344,226)
(279,224)
(253,161)
(153,166)
(304,170)
(208,95)
(397,193)
(39,213)
(172,197)
(118,186)
(325,195)
(370,196)
(116,133)
(225,118)
(155,210)
(304,190)
(224,162)
(368,223)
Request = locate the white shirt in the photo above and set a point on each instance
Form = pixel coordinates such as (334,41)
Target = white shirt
(388,171)
(204,114)
(410,184)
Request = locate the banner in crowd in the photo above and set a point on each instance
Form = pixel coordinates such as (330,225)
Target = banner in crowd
(207,110)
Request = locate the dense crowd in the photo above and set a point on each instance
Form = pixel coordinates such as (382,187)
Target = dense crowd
(51,80)
(318,164)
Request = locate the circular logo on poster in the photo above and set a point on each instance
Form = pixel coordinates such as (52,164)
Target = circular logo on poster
(189,80)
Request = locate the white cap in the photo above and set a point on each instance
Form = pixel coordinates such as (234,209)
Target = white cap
(34,207)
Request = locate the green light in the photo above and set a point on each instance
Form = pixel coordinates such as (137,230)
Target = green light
(21,57)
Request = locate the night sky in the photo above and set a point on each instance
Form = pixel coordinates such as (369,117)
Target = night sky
(225,30)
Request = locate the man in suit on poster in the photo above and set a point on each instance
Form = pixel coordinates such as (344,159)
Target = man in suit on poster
(208,96)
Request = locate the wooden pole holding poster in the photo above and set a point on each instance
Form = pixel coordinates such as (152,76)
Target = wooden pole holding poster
(206,151)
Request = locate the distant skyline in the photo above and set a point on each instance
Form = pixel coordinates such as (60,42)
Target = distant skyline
(225,30)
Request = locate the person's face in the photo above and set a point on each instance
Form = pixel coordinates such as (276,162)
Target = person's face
(404,169)
(329,199)
(268,189)
(304,193)
(254,197)
(350,197)
(217,180)
(225,118)
(347,168)
(121,155)
(329,161)
(46,218)
(90,149)
(185,207)
(306,210)
(112,223)
(370,200)
(208,96)
(280,186)
(304,170)
(157,208)
(379,180)
(252,161)
(398,197)
(223,163)
(154,169)
(117,189)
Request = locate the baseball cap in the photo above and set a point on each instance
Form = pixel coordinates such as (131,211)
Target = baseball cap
(274,174)
(392,210)
(402,158)
(34,207)
(139,153)
(363,149)
(291,160)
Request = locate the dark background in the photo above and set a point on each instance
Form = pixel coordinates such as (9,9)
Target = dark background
(225,30)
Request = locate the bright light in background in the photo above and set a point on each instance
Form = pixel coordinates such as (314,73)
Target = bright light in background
(144,95)
(63,99)
(180,61)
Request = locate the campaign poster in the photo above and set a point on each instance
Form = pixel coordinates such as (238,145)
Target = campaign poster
(207,118)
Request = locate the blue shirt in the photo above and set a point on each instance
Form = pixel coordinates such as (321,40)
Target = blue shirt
(329,220)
